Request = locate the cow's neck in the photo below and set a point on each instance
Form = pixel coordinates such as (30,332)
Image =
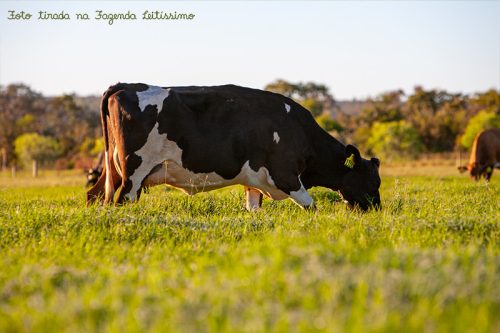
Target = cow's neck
(326,167)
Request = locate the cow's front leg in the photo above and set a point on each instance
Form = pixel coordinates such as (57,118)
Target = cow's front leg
(489,172)
(253,199)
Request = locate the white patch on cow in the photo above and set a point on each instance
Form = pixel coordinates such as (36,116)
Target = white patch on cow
(173,174)
(287,108)
(152,96)
(117,162)
(276,137)
(253,199)
(301,197)
(109,191)
(260,179)
(155,151)
(159,151)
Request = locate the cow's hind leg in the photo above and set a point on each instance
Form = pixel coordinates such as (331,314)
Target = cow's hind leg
(98,191)
(253,198)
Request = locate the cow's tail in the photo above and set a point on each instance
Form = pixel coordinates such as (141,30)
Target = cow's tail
(109,185)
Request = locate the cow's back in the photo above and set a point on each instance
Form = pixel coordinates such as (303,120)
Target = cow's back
(220,128)
(486,148)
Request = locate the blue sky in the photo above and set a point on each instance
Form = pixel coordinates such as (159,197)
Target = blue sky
(358,49)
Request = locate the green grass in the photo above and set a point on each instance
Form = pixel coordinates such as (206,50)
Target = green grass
(429,261)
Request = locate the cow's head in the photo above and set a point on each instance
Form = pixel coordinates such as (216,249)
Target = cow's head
(360,184)
(476,170)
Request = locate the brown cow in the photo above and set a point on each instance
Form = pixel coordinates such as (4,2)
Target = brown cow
(485,155)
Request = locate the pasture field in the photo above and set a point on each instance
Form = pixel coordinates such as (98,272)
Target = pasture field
(429,261)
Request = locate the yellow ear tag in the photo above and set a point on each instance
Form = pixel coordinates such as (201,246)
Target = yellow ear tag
(488,169)
(349,162)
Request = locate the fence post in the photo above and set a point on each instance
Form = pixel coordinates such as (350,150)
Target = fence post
(4,159)
(35,168)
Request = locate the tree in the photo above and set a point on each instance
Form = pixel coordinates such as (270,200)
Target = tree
(385,107)
(488,101)
(312,96)
(480,122)
(283,87)
(68,123)
(394,140)
(20,108)
(327,123)
(438,117)
(92,147)
(34,148)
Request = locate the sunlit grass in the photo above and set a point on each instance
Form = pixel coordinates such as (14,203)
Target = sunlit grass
(429,261)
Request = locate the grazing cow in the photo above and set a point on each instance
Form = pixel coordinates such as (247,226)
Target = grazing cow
(95,172)
(485,155)
(204,138)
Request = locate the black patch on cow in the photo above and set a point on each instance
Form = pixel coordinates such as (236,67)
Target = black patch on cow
(220,128)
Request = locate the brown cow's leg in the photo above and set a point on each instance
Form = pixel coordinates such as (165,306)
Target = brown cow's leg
(488,173)
(253,199)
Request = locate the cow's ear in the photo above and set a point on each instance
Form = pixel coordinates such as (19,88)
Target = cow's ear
(353,156)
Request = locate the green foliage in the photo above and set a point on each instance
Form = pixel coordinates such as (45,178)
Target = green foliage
(34,147)
(92,147)
(327,123)
(67,122)
(20,108)
(483,120)
(385,107)
(429,261)
(26,123)
(438,117)
(361,136)
(62,117)
(488,101)
(394,140)
(312,96)
(283,87)
(314,106)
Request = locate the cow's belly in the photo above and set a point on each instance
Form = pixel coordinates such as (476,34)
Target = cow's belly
(171,173)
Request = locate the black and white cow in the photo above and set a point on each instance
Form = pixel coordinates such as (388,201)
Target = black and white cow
(204,138)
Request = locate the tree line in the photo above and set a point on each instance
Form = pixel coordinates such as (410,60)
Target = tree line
(395,125)
(64,131)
